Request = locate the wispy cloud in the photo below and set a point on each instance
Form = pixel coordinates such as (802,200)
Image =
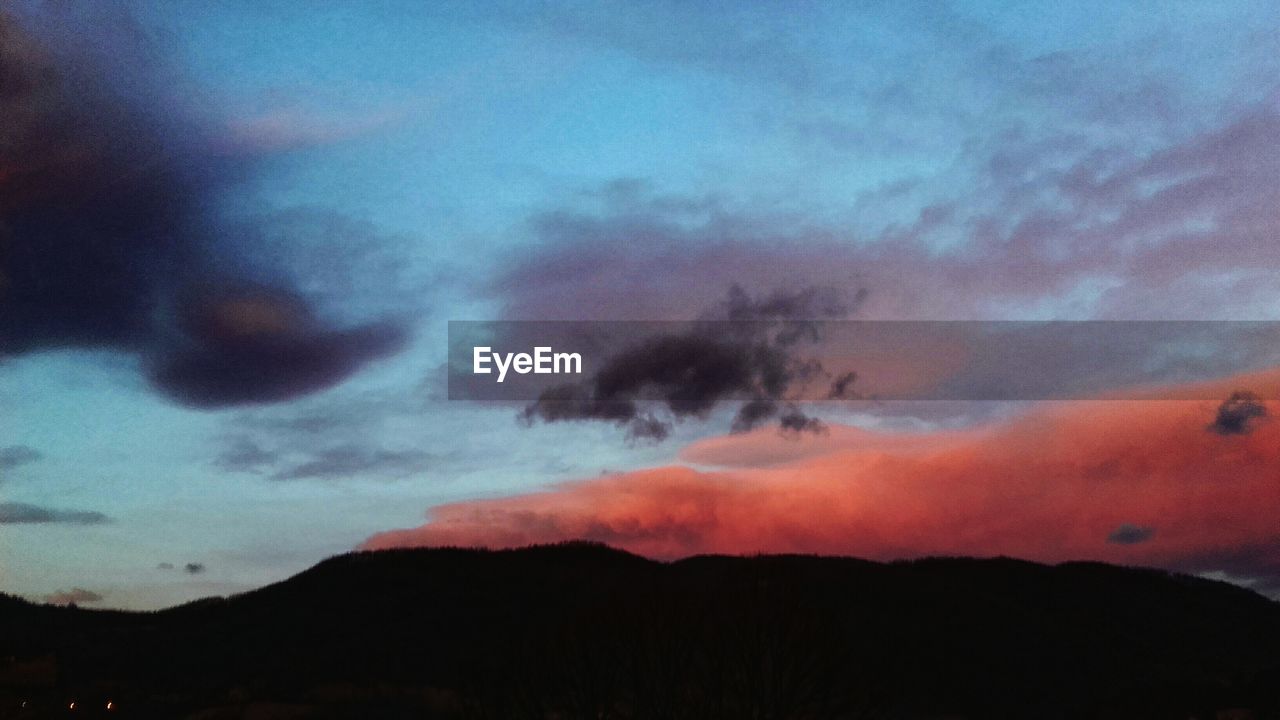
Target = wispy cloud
(354,461)
(1181,232)
(18,455)
(74,596)
(243,454)
(12,513)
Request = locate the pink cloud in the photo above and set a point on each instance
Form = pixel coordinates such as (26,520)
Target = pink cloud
(285,129)
(1129,481)
(1184,233)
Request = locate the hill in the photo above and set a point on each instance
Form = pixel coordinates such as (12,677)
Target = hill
(584,631)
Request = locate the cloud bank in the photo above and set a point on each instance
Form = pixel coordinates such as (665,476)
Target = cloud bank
(1133,481)
(1183,232)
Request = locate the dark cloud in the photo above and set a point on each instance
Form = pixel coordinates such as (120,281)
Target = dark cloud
(16,455)
(1238,414)
(792,420)
(1128,534)
(355,460)
(24,514)
(74,596)
(842,387)
(753,413)
(685,374)
(108,233)
(260,345)
(191,568)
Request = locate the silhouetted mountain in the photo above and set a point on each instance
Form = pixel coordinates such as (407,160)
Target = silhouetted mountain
(584,631)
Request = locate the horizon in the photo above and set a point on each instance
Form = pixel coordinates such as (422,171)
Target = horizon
(570,546)
(237,240)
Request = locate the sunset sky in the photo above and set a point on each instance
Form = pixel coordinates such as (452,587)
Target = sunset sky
(232,236)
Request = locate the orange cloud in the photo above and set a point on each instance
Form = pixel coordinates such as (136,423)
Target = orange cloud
(1129,481)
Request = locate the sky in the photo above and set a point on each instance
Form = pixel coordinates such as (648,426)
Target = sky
(232,236)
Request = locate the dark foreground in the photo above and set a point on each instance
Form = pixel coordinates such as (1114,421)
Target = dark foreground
(582,631)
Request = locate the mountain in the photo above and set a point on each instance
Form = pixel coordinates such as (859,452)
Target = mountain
(584,631)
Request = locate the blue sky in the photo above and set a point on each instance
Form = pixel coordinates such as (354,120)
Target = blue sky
(425,161)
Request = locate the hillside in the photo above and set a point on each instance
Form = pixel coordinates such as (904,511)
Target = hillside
(580,631)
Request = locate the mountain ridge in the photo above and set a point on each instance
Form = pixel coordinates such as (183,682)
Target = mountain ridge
(584,630)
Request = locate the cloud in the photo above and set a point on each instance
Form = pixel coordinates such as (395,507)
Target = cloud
(242,454)
(110,237)
(291,127)
(1184,231)
(1052,484)
(24,514)
(74,596)
(18,455)
(262,346)
(191,568)
(842,387)
(792,420)
(687,373)
(760,450)
(332,437)
(1238,414)
(354,460)
(1127,534)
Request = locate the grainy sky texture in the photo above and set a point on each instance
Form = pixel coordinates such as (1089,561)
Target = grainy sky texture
(232,234)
